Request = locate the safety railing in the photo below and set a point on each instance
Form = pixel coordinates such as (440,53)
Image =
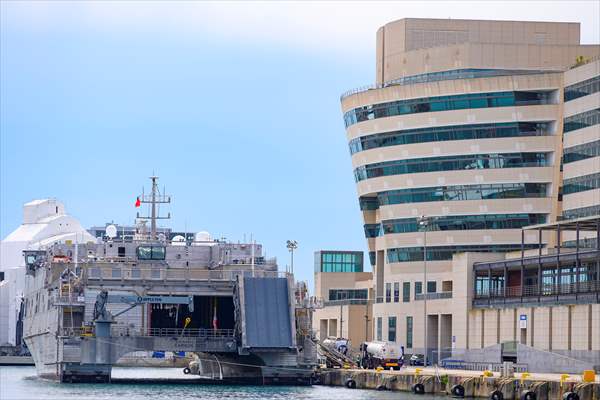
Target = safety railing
(161,273)
(543,290)
(124,331)
(434,296)
(69,300)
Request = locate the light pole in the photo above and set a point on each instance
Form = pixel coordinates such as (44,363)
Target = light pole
(423,223)
(292,245)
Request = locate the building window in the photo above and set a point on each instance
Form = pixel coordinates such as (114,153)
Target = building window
(151,253)
(388,292)
(582,120)
(379,328)
(444,103)
(396,292)
(406,292)
(464,222)
(581,212)
(372,258)
(352,294)
(581,152)
(581,89)
(418,288)
(409,332)
(391,329)
(339,261)
(581,183)
(431,286)
(451,163)
(436,253)
(445,133)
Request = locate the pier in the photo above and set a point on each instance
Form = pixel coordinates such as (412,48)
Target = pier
(462,383)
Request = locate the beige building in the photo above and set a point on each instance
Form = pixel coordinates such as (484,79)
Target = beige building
(344,296)
(483,128)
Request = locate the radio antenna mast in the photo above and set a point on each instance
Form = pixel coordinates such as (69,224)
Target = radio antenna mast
(154,199)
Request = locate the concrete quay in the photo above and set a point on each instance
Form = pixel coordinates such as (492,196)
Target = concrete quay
(474,384)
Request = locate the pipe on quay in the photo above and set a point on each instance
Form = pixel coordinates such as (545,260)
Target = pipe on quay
(494,388)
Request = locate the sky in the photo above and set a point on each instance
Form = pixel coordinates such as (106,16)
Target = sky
(234,105)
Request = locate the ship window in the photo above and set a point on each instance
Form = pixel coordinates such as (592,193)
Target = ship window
(116,272)
(121,251)
(136,273)
(156,274)
(151,253)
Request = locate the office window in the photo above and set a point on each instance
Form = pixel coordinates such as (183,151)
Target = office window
(431,286)
(391,329)
(388,292)
(379,328)
(396,292)
(406,292)
(418,288)
(409,332)
(583,120)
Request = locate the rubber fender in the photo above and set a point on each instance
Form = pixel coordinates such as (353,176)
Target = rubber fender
(458,391)
(351,384)
(186,371)
(496,395)
(570,396)
(381,387)
(528,395)
(418,388)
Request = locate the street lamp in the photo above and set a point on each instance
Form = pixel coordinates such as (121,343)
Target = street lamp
(291,246)
(423,224)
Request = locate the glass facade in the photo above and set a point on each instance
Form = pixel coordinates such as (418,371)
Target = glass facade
(391,329)
(457,193)
(388,292)
(406,292)
(581,212)
(581,183)
(445,103)
(463,222)
(582,120)
(438,253)
(581,152)
(445,133)
(339,261)
(343,294)
(409,332)
(451,163)
(379,328)
(396,292)
(581,89)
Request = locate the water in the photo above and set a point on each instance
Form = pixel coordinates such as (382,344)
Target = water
(21,383)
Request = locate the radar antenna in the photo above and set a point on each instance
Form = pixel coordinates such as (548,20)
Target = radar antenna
(154,199)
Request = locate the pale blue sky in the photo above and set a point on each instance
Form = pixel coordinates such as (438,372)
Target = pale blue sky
(234,105)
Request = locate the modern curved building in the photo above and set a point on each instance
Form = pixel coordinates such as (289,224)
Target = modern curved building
(464,126)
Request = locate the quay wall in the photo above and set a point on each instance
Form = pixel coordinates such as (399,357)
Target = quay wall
(475,387)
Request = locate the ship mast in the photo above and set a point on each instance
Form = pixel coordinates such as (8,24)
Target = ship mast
(154,199)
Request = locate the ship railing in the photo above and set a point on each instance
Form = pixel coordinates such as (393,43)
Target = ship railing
(121,273)
(125,331)
(69,300)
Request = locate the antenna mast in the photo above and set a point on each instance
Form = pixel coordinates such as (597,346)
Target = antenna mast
(154,199)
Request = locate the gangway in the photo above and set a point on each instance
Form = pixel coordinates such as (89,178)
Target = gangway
(333,357)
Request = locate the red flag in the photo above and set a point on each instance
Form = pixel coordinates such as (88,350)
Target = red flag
(138,202)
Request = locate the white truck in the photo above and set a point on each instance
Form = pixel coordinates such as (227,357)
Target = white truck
(381,354)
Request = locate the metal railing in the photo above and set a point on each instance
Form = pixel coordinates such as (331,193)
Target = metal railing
(434,296)
(124,331)
(536,290)
(162,273)
(72,299)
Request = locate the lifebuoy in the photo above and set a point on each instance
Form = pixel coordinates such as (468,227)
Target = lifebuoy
(418,388)
(570,396)
(496,395)
(351,384)
(186,370)
(458,391)
(528,395)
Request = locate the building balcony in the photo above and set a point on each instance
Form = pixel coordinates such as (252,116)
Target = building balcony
(433,296)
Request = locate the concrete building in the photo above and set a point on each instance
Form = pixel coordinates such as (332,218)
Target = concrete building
(344,295)
(484,128)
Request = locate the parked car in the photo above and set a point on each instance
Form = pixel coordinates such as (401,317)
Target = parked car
(417,360)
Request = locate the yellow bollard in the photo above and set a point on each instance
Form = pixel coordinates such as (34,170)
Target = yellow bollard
(524,376)
(418,371)
(589,375)
(379,369)
(488,374)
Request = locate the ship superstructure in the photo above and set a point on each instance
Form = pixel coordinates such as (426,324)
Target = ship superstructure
(89,304)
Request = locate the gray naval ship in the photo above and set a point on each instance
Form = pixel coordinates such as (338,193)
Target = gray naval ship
(86,305)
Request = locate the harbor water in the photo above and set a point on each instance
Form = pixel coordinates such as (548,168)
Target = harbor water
(21,383)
